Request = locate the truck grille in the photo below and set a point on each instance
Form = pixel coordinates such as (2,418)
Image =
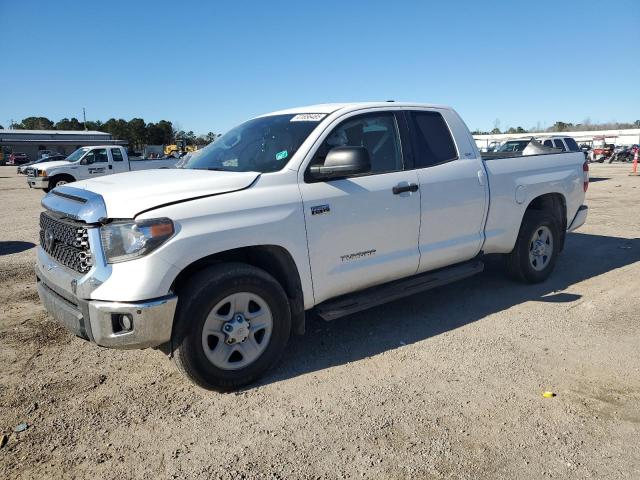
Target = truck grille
(66,241)
(31,172)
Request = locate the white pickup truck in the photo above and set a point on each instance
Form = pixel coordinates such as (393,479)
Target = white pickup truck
(331,208)
(89,162)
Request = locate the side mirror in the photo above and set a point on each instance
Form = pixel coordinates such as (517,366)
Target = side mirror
(342,162)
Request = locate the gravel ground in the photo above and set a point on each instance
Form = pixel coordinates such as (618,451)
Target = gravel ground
(446,384)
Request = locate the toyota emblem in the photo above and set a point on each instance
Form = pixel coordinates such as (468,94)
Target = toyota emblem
(48,239)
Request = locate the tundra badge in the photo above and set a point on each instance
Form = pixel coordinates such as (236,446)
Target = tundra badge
(320,209)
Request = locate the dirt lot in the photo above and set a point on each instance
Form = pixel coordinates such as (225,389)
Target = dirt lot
(445,384)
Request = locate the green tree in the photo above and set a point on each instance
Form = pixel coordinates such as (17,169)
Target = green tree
(160,133)
(496,131)
(96,126)
(35,123)
(561,127)
(138,132)
(211,137)
(66,124)
(119,129)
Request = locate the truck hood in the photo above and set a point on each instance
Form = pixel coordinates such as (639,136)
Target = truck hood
(51,165)
(125,195)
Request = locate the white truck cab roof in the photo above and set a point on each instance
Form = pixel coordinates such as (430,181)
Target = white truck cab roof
(328,108)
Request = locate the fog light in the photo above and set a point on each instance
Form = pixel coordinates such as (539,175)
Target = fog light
(122,322)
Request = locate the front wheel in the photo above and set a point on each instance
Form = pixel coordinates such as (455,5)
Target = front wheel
(59,180)
(534,256)
(232,323)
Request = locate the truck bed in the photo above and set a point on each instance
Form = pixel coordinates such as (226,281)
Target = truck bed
(148,164)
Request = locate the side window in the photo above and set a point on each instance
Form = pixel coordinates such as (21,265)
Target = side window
(547,143)
(559,144)
(572,144)
(97,156)
(434,143)
(378,133)
(116,154)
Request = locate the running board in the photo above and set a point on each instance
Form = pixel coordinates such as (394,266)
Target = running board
(378,295)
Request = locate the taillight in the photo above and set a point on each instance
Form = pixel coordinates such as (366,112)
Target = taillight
(585,172)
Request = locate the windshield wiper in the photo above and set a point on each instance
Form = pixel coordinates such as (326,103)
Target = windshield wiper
(217,169)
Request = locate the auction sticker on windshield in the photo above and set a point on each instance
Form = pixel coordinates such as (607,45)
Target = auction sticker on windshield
(282,155)
(308,117)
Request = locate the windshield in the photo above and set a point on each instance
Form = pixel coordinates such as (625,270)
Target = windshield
(514,146)
(77,155)
(263,144)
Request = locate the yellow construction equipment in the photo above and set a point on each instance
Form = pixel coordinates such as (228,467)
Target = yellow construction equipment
(180,146)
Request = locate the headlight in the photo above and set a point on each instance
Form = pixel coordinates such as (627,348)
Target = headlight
(41,173)
(122,241)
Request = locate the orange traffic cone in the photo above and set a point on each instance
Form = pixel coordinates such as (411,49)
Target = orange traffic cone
(635,163)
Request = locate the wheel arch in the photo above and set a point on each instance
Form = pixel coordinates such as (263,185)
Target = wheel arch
(60,176)
(554,203)
(274,259)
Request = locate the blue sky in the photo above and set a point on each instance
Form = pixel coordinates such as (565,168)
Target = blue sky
(210,65)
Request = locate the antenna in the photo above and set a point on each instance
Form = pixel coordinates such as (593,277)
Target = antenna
(84,118)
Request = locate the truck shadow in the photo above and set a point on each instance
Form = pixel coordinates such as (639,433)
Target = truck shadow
(425,315)
(7,248)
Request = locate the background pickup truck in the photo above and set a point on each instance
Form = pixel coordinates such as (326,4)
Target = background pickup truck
(89,162)
(328,208)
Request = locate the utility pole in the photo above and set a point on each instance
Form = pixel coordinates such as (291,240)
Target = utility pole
(84,119)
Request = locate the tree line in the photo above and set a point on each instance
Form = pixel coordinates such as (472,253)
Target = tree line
(135,131)
(586,125)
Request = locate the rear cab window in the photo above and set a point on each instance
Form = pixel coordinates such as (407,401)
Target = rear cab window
(116,154)
(433,142)
(572,144)
(559,144)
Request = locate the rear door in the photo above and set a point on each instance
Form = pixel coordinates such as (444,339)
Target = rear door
(118,164)
(454,191)
(360,232)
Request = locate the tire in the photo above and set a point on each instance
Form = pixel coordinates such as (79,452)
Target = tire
(60,180)
(203,301)
(46,190)
(522,264)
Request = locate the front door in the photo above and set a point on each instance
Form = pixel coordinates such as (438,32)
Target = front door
(359,232)
(97,162)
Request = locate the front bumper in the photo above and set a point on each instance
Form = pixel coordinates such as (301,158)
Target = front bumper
(38,182)
(110,324)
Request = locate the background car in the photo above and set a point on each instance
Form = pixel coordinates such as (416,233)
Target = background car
(603,152)
(17,158)
(566,144)
(514,145)
(22,169)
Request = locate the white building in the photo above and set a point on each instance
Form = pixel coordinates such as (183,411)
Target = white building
(628,136)
(64,142)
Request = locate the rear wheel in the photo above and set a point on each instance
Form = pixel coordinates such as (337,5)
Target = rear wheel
(535,253)
(232,323)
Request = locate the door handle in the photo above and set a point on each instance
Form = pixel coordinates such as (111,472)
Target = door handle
(398,189)
(110,167)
